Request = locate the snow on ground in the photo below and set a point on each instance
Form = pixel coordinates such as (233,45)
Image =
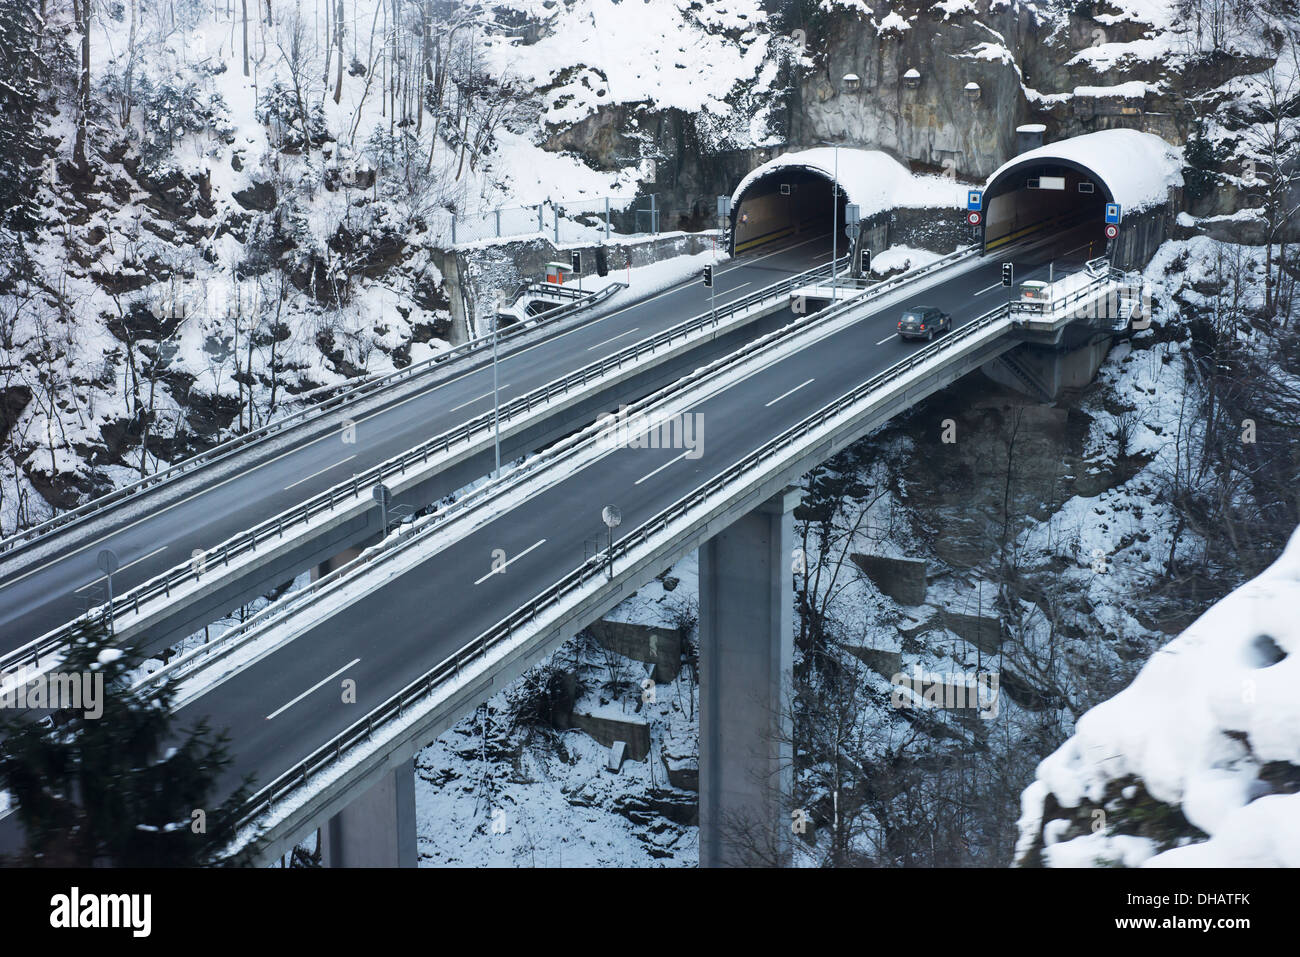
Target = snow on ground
(585,61)
(492,795)
(1210,710)
(902,258)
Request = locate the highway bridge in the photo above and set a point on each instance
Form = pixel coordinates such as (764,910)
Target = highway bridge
(427,626)
(46,581)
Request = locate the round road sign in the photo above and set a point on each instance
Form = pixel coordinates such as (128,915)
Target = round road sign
(1112,231)
(973,218)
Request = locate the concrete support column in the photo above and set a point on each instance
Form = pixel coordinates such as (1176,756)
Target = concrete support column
(1043,372)
(746,657)
(378,828)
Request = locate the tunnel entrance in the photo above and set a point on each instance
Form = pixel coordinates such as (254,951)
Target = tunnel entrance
(1040,198)
(787,202)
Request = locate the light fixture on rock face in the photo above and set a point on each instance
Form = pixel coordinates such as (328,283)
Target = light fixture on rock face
(851,83)
(912,78)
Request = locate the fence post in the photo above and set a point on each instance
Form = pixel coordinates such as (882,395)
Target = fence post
(541,226)
(453,229)
(498,222)
(606,219)
(556,211)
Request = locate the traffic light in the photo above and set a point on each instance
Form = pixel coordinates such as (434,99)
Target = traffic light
(864,267)
(708,276)
(577,264)
(1006,274)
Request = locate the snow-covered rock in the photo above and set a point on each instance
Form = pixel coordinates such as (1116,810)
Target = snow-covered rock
(1209,732)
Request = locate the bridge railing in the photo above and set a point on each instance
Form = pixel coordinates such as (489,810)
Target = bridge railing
(254,626)
(593,567)
(324,400)
(358,487)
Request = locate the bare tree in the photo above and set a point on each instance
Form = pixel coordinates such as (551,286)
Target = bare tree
(296,43)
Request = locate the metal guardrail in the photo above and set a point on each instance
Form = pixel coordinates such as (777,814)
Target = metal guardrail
(593,567)
(352,392)
(247,542)
(253,626)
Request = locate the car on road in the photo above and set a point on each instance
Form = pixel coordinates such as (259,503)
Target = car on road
(923,322)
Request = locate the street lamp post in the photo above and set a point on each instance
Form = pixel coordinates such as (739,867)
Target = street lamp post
(108,563)
(835,224)
(496,397)
(612,516)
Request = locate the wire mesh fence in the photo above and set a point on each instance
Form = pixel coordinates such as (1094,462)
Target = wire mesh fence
(561,221)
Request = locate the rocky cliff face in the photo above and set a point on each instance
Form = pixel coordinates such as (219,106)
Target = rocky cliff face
(929,119)
(1079,69)
(940,86)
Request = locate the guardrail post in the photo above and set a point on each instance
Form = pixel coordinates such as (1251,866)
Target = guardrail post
(453,229)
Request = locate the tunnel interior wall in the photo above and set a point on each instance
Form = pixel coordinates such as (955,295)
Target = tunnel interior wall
(1013,211)
(765,214)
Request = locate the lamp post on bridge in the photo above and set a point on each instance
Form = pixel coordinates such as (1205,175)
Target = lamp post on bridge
(835,216)
(853,227)
(612,516)
(496,298)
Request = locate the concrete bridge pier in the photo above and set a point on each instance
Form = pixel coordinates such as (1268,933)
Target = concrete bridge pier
(378,828)
(1044,372)
(746,656)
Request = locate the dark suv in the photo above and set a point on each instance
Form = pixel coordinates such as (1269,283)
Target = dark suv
(922,322)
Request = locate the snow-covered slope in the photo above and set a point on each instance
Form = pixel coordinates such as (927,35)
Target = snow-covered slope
(1209,731)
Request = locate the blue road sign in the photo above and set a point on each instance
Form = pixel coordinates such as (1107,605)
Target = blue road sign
(974,199)
(1112,212)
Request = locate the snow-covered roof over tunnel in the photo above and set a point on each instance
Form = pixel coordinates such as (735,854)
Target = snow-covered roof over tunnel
(1138,168)
(870,178)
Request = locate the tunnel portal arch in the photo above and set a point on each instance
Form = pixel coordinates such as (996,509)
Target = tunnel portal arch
(791,195)
(1017,204)
(1065,187)
(782,202)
